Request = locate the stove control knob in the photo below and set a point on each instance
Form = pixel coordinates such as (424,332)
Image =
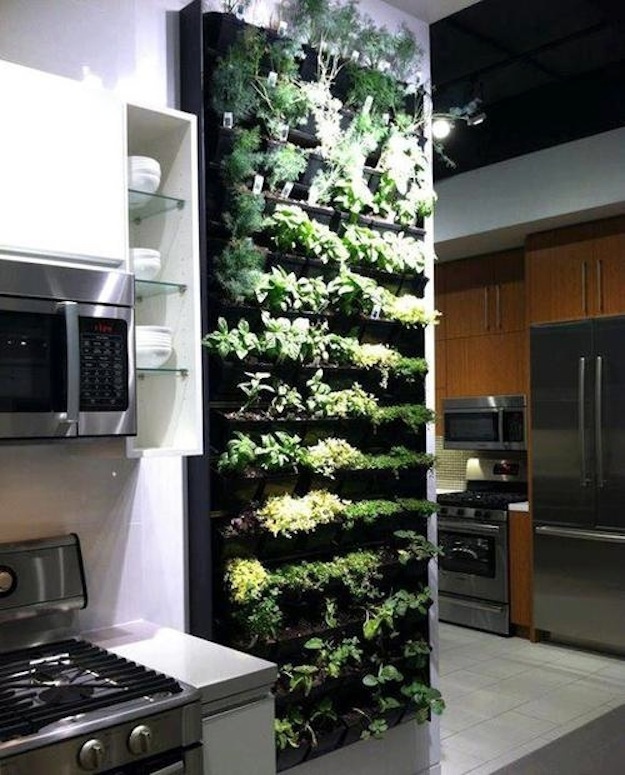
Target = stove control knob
(140,740)
(91,755)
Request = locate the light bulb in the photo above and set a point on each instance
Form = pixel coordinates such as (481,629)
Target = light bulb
(441,128)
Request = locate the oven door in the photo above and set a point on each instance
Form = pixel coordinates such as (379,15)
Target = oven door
(66,369)
(475,559)
(186,762)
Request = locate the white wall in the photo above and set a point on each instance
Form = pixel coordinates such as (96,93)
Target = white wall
(494,207)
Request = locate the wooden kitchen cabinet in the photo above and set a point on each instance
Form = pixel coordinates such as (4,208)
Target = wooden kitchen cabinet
(63,170)
(487,365)
(577,272)
(520,538)
(483,295)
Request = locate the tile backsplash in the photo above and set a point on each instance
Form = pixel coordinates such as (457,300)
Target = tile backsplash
(451,466)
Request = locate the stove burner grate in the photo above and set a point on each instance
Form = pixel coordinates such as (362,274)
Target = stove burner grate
(43,684)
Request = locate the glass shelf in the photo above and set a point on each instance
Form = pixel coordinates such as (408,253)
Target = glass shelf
(144,289)
(141,373)
(142,205)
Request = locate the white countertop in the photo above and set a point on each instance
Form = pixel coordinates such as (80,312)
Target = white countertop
(225,677)
(521,506)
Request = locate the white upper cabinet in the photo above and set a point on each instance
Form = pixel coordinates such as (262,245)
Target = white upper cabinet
(169,398)
(62,169)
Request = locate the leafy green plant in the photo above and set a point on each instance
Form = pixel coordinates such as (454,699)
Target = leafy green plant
(412,415)
(286,515)
(425,697)
(383,88)
(354,294)
(415,547)
(239,341)
(235,6)
(232,84)
(245,158)
(284,164)
(282,291)
(281,103)
(254,389)
(273,452)
(288,729)
(246,579)
(330,455)
(409,310)
(333,658)
(384,616)
(300,677)
(386,674)
(244,213)
(369,511)
(261,619)
(238,268)
(292,230)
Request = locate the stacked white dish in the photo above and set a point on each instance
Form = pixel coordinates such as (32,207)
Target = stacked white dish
(154,346)
(145,262)
(144,176)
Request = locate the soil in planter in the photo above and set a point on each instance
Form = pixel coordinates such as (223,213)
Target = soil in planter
(326,741)
(290,757)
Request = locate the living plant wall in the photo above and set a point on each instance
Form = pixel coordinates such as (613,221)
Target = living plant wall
(317,187)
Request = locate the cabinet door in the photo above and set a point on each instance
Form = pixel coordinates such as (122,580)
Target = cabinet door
(487,365)
(62,156)
(441,382)
(240,741)
(521,568)
(466,298)
(560,275)
(507,308)
(609,266)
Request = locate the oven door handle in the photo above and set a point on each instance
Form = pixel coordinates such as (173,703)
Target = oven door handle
(171,769)
(469,527)
(72,340)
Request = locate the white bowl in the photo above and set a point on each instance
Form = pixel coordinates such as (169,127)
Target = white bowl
(152,357)
(153,330)
(144,163)
(144,175)
(146,263)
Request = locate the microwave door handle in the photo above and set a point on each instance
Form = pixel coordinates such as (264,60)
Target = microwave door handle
(70,311)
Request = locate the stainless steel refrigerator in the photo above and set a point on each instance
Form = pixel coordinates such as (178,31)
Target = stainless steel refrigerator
(577,377)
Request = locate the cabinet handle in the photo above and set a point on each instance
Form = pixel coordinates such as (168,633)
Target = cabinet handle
(486,323)
(498,305)
(584,300)
(599,285)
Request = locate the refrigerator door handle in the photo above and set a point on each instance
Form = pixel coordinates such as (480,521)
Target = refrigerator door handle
(599,419)
(581,422)
(582,535)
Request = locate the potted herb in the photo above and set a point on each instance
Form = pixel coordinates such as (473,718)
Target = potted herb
(284,164)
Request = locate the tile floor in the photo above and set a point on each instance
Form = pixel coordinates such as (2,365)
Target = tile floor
(507,697)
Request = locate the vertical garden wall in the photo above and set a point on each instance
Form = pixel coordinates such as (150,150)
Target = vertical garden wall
(316,187)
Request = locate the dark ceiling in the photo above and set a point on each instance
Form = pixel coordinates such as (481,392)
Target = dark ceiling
(546,72)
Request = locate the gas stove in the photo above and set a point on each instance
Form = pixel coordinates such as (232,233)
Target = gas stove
(492,485)
(68,706)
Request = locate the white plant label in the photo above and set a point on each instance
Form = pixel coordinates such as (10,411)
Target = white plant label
(282,28)
(386,117)
(272,78)
(283,133)
(286,190)
(355,55)
(228,121)
(376,312)
(366,108)
(259,182)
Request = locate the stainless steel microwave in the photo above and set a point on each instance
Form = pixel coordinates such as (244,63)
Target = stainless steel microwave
(485,422)
(66,351)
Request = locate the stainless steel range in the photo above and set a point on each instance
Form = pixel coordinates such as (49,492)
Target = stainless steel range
(68,707)
(473,532)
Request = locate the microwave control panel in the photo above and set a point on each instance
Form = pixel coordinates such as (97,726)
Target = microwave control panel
(103,365)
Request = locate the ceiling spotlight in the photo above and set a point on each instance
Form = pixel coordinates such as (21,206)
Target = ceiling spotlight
(476,119)
(441,127)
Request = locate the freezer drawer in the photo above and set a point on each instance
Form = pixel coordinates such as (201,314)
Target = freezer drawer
(579,586)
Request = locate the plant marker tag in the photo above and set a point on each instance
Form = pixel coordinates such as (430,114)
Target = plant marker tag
(228,120)
(355,55)
(272,78)
(386,117)
(283,133)
(239,11)
(257,187)
(286,190)
(376,312)
(366,108)
(383,65)
(282,28)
